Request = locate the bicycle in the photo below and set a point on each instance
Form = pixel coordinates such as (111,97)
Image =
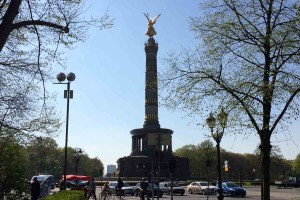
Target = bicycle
(119,194)
(146,194)
(105,196)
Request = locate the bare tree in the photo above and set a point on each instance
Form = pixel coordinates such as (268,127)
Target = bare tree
(33,37)
(247,61)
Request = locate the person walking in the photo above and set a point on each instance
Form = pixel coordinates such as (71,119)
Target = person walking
(144,187)
(92,189)
(35,189)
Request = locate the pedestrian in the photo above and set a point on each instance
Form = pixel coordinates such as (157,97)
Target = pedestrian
(119,187)
(92,189)
(144,188)
(35,189)
(62,185)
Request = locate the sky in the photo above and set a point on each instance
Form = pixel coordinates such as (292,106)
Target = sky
(110,77)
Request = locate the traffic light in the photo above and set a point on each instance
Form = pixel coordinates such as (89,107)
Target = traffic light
(226,166)
(172,165)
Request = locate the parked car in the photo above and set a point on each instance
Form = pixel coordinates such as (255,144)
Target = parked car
(47,183)
(288,182)
(231,189)
(155,190)
(201,187)
(45,178)
(127,189)
(166,188)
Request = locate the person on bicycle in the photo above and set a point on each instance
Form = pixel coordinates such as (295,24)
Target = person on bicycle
(106,191)
(144,187)
(119,186)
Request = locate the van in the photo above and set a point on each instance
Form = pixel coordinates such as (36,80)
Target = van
(47,183)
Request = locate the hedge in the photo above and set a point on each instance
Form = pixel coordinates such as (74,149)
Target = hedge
(67,195)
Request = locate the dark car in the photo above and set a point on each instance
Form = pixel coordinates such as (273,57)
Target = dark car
(231,190)
(149,190)
(70,184)
(166,187)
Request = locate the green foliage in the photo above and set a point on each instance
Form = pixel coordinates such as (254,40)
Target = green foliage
(246,165)
(67,195)
(12,167)
(197,155)
(42,156)
(296,165)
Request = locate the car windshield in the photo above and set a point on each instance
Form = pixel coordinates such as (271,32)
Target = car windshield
(41,178)
(126,185)
(231,185)
(154,185)
(113,184)
(175,184)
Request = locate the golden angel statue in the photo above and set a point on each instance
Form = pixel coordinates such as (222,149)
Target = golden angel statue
(151,31)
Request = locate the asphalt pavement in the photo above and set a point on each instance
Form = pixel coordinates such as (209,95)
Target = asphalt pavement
(253,193)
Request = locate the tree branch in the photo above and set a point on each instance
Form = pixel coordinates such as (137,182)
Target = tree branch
(39,23)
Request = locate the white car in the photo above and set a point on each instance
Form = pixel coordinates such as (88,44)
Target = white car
(166,188)
(127,189)
(201,187)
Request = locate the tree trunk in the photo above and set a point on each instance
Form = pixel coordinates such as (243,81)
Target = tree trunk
(7,21)
(265,148)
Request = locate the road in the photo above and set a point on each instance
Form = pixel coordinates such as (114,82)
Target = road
(253,193)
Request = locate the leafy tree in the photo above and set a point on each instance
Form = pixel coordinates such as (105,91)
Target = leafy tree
(198,154)
(12,168)
(296,165)
(42,155)
(247,61)
(189,151)
(33,36)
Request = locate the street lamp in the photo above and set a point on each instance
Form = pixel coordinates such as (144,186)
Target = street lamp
(77,153)
(61,77)
(217,136)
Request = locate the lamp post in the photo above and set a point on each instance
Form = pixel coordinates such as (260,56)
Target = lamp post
(217,136)
(77,153)
(68,94)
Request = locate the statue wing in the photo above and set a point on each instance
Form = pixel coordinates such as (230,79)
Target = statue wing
(155,18)
(147,16)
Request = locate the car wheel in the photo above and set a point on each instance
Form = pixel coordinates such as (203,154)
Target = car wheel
(190,192)
(243,195)
(203,192)
(182,193)
(229,194)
